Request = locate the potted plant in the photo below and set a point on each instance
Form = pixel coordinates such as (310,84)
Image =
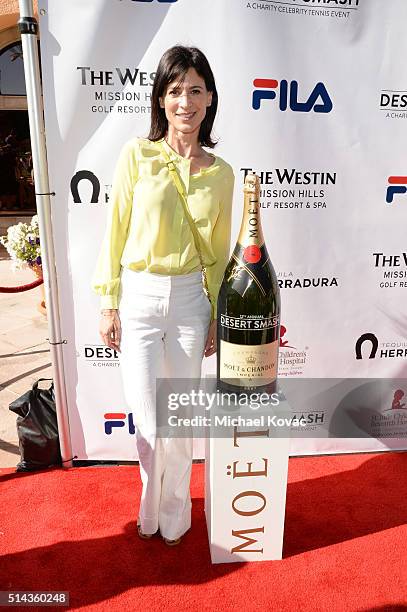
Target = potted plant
(23,245)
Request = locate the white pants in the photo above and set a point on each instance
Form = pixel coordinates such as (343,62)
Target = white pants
(165,322)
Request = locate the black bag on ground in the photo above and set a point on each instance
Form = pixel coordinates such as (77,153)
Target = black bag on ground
(37,428)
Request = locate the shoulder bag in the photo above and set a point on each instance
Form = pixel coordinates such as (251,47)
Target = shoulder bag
(177,182)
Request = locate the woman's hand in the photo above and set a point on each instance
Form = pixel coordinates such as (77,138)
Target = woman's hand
(110,328)
(210,346)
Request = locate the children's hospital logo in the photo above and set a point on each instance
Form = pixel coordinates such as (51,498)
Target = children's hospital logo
(284,343)
(292,360)
(390,419)
(397,403)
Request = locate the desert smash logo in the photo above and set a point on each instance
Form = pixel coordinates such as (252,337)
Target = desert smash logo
(347,3)
(99,355)
(287,96)
(336,9)
(394,103)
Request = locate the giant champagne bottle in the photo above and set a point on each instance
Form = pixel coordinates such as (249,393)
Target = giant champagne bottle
(248,308)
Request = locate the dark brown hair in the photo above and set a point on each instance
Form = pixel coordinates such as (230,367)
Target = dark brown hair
(173,66)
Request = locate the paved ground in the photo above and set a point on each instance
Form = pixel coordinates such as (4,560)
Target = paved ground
(24,351)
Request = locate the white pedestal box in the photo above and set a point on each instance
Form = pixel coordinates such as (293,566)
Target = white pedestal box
(245,492)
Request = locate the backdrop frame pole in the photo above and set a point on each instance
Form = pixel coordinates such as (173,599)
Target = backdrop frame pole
(28,27)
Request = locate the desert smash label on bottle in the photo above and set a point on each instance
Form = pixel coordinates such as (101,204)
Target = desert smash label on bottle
(248,322)
(248,308)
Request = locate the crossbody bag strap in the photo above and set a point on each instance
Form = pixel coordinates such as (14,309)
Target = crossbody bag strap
(177,182)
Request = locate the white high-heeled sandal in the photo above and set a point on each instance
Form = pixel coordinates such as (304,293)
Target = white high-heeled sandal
(144,536)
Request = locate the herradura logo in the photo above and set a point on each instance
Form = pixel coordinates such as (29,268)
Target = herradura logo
(86,188)
(368,346)
(371,341)
(287,96)
(87,176)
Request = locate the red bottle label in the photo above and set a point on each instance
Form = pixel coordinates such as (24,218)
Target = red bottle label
(252,254)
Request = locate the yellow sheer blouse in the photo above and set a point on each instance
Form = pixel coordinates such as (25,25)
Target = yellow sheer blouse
(146,227)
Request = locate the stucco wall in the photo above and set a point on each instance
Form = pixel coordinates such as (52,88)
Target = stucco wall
(9,13)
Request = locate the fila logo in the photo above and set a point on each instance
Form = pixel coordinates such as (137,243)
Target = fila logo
(118,419)
(268,89)
(397,184)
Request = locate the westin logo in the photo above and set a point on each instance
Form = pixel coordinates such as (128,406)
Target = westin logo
(287,95)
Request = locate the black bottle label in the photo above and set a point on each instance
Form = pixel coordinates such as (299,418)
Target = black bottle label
(247,270)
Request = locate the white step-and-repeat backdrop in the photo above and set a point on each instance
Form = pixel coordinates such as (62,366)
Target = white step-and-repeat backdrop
(311,98)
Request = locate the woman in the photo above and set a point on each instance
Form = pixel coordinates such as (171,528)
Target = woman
(154,309)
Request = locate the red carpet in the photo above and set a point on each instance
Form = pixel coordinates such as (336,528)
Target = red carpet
(345,545)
